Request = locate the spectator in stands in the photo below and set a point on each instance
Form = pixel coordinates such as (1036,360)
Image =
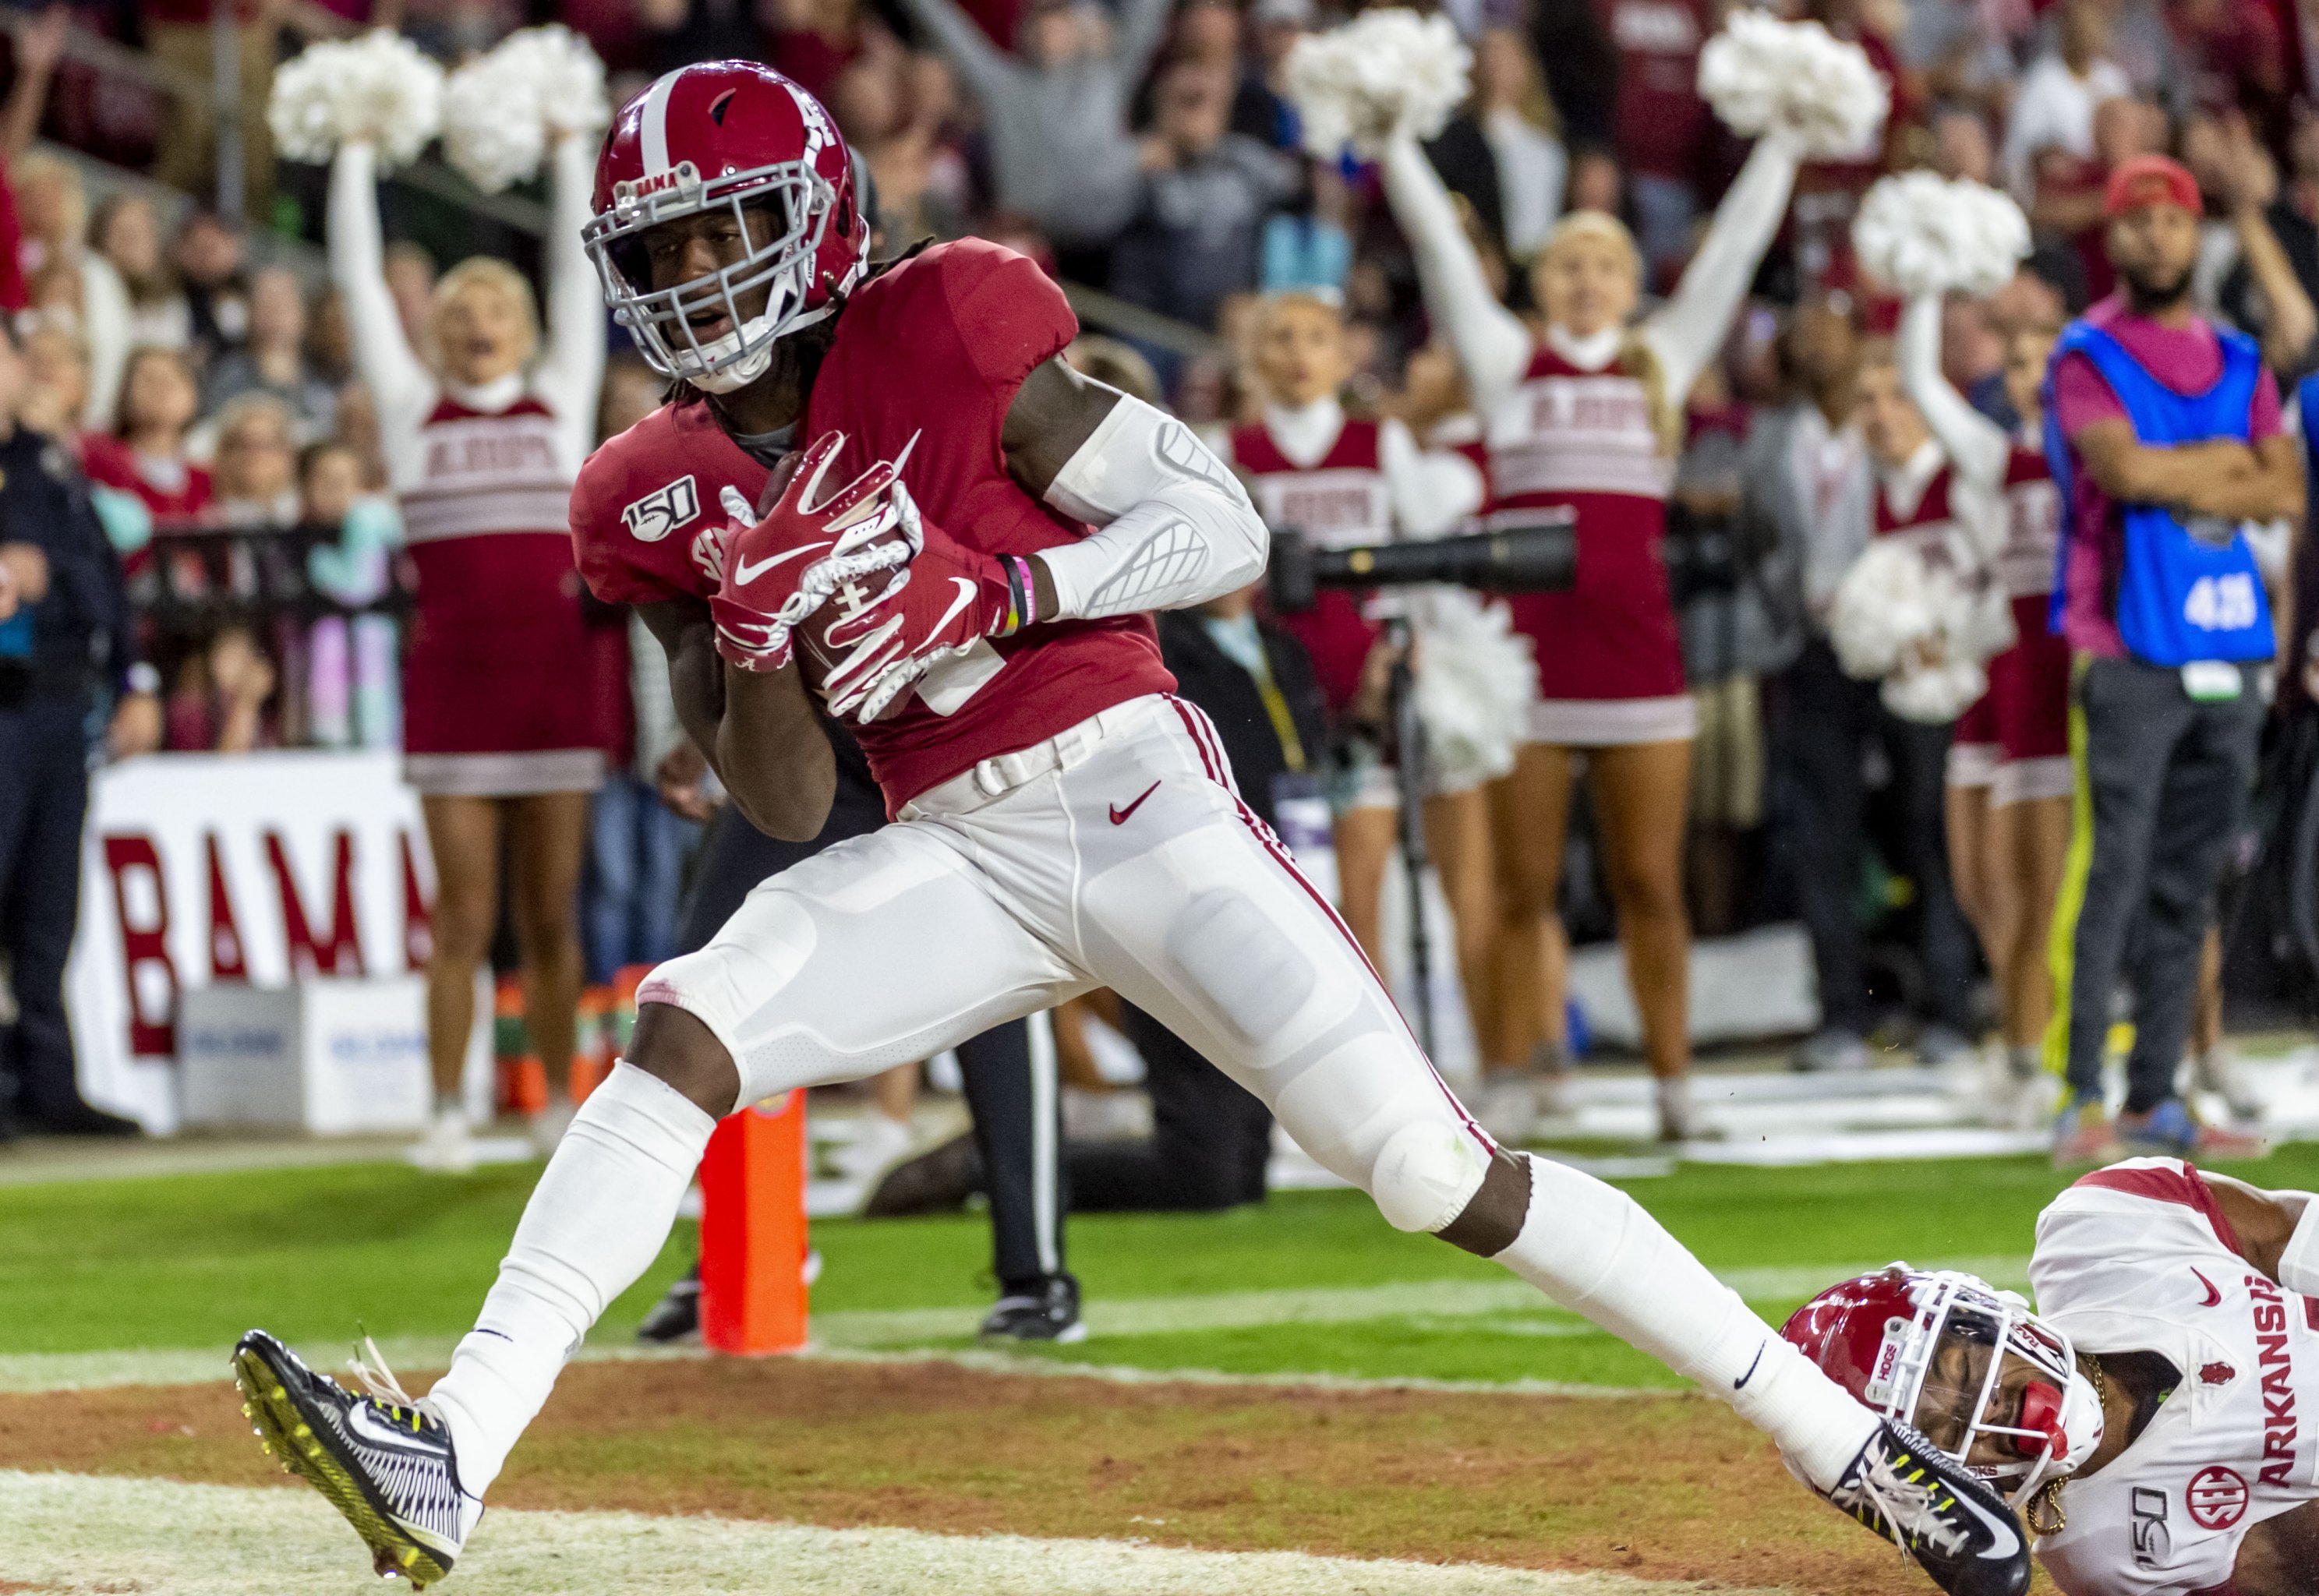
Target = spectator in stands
(57,368)
(1206,192)
(1502,154)
(129,297)
(208,257)
(2054,106)
(355,686)
(1056,112)
(816,40)
(145,454)
(254,481)
(679,32)
(217,704)
(1661,123)
(66,647)
(273,361)
(2245,275)
(180,36)
(51,212)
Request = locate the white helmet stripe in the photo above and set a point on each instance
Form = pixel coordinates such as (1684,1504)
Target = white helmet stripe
(653,123)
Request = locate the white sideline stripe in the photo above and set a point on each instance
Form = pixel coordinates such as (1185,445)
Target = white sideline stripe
(159,1537)
(1117,1318)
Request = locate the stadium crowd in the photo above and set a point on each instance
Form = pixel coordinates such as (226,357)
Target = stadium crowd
(220,393)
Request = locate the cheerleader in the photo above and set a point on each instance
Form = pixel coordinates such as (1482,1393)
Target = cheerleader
(1589,416)
(2010,834)
(1342,482)
(499,721)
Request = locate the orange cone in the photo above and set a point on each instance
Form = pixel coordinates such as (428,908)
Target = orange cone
(753,1231)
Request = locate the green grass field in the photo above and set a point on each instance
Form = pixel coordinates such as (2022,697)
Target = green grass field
(1305,1285)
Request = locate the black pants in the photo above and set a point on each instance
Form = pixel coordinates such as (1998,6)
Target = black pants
(1210,1136)
(43,799)
(1827,723)
(2167,780)
(1012,1092)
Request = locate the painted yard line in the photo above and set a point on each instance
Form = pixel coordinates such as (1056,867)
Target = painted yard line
(991,1361)
(77,1533)
(1111,1318)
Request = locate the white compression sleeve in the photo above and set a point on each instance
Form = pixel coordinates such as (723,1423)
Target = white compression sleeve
(1688,330)
(1174,528)
(1593,1248)
(595,1222)
(1977,444)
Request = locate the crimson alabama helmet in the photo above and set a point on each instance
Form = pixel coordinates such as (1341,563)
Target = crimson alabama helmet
(720,134)
(1985,1380)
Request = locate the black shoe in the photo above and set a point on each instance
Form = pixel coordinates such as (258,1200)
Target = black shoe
(676,1318)
(936,1182)
(81,1120)
(1942,1516)
(1048,1313)
(382,1460)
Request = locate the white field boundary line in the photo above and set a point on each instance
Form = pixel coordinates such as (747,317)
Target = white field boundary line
(1432,1302)
(79,1533)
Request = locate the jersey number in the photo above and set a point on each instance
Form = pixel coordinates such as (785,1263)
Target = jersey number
(656,515)
(2221,603)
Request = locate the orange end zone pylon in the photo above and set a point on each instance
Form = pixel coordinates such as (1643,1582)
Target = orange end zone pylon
(753,1231)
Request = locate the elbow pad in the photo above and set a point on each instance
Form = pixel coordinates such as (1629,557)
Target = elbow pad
(2298,1260)
(1175,526)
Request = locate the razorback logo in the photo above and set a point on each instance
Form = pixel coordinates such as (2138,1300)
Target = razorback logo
(678,178)
(2218,1374)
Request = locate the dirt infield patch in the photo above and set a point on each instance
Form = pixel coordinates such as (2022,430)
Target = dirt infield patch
(1658,1488)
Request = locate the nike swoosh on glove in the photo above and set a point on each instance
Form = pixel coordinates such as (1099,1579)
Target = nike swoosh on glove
(946,598)
(779,569)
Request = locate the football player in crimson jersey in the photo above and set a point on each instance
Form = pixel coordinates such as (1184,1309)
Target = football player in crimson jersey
(964,562)
(2152,1418)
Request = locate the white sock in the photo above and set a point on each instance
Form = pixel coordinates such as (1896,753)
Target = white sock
(594,1224)
(1593,1248)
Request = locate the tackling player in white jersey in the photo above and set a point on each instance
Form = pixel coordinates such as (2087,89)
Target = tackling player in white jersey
(2152,1419)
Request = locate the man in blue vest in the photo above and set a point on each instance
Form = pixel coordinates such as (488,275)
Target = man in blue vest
(2164,435)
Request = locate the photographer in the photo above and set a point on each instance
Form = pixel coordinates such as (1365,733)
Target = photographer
(66,646)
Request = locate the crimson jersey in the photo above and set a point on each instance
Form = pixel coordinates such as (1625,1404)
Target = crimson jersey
(1585,439)
(932,351)
(1341,500)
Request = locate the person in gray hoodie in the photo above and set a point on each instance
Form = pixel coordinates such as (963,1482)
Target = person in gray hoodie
(1058,108)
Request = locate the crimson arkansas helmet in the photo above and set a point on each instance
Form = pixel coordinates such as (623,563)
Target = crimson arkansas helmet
(738,139)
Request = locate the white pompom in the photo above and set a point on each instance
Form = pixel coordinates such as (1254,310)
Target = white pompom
(1884,607)
(567,76)
(1922,234)
(1760,73)
(499,108)
(1385,72)
(1475,679)
(1935,694)
(378,88)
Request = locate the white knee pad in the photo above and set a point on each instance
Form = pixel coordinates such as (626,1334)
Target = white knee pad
(1426,1173)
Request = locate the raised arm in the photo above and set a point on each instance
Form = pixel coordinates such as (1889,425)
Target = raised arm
(1173,527)
(1433,492)
(1976,445)
(572,370)
(1492,346)
(1686,331)
(1143,24)
(390,369)
(757,729)
(988,69)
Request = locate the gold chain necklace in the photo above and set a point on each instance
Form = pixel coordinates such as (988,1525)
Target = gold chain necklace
(2048,1499)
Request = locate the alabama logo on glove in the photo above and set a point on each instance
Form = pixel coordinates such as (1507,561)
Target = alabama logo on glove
(946,598)
(781,565)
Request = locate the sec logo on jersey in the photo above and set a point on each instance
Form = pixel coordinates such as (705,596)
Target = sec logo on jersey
(2217,1498)
(657,514)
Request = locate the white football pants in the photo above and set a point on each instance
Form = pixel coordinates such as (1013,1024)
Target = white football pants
(1117,854)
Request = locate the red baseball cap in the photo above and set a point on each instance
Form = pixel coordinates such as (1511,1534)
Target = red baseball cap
(2149,180)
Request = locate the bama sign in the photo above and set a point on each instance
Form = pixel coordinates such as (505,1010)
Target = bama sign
(260,867)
